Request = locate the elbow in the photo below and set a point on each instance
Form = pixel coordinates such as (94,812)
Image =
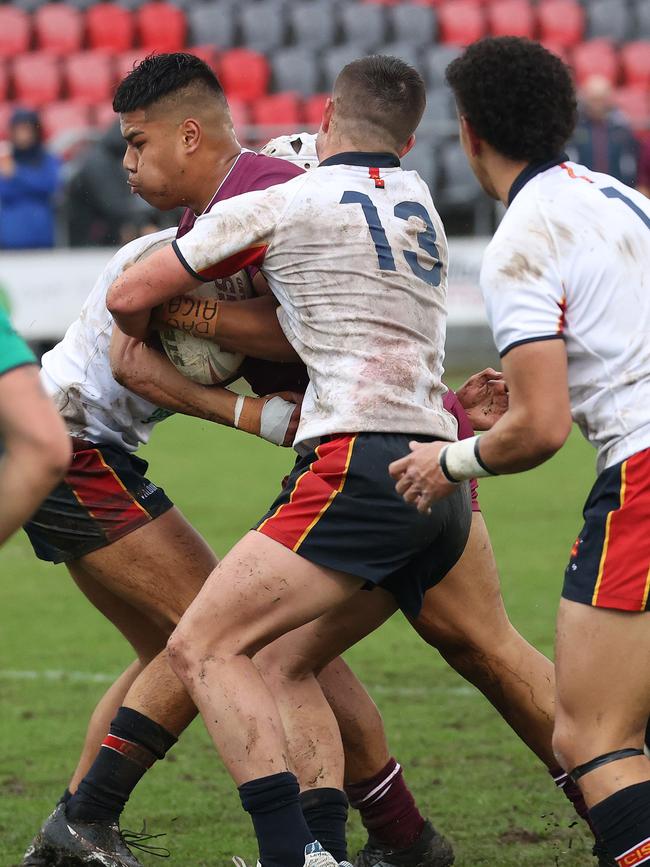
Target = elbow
(546,440)
(120,300)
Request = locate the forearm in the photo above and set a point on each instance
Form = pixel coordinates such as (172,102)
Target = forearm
(27,476)
(515,444)
(151,375)
(250,327)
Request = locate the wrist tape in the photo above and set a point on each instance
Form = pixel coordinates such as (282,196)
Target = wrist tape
(462,460)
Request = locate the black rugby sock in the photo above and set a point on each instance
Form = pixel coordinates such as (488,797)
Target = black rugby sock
(281,830)
(326,812)
(65,797)
(133,744)
(622,822)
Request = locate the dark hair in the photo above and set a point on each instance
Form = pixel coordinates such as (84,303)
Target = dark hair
(517,96)
(384,92)
(161,75)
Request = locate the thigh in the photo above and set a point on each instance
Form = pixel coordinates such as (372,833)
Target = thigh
(258,592)
(603,689)
(310,648)
(466,608)
(157,569)
(144,636)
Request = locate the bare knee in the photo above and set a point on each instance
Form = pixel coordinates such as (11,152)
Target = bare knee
(577,740)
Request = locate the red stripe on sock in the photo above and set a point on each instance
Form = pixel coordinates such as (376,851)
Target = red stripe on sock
(129,750)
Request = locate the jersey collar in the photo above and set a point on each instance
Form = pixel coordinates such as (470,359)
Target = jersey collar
(529,173)
(362,158)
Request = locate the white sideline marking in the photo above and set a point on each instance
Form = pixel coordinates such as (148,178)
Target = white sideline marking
(54,674)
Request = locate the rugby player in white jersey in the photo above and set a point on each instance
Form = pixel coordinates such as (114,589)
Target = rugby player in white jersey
(356,256)
(566,281)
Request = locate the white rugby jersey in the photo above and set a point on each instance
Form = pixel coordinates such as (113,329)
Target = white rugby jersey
(356,254)
(77,373)
(571,260)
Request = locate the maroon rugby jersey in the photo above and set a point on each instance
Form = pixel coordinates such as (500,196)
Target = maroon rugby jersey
(465,430)
(250,172)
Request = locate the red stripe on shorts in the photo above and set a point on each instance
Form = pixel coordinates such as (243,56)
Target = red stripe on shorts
(312,494)
(624,575)
(101,491)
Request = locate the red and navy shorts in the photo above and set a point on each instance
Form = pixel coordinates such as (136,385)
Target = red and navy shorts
(105,495)
(610,559)
(339,508)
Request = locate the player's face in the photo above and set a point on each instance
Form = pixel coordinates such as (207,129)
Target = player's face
(154,159)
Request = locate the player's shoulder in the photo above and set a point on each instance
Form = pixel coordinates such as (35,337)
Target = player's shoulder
(259,171)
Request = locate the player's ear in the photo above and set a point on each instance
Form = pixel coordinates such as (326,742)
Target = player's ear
(408,146)
(328,111)
(190,135)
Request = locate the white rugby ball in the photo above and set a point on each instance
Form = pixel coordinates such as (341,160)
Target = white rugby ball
(202,360)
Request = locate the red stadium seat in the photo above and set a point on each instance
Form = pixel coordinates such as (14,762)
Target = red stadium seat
(60,117)
(125,62)
(561,21)
(634,102)
(239,113)
(596,57)
(278,109)
(6,110)
(162,27)
(103,115)
(59,28)
(207,53)
(460,22)
(110,26)
(511,18)
(89,76)
(314,107)
(244,74)
(37,78)
(635,59)
(15,31)
(554,48)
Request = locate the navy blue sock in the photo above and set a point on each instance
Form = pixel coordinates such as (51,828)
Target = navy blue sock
(622,822)
(279,824)
(326,812)
(133,744)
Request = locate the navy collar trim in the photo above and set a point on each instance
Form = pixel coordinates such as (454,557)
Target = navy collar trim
(529,173)
(362,158)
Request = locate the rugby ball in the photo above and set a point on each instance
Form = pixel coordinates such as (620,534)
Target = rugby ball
(202,360)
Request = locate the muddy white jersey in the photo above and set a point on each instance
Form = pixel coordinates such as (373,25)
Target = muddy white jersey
(77,372)
(356,255)
(571,260)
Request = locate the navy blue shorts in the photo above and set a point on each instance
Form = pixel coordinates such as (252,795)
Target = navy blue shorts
(610,559)
(105,495)
(339,508)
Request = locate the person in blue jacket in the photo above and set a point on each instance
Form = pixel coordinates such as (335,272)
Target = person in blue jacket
(29,178)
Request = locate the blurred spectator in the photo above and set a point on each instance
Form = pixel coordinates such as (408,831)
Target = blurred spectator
(29,178)
(643,179)
(101,207)
(603,139)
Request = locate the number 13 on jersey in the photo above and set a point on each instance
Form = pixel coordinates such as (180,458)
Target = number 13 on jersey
(403,210)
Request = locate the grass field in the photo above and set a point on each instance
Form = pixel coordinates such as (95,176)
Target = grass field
(470,775)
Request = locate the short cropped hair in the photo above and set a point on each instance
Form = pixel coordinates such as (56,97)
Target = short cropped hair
(381,92)
(162,75)
(517,96)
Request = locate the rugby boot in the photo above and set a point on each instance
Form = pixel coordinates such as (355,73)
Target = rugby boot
(315,856)
(431,849)
(63,843)
(604,858)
